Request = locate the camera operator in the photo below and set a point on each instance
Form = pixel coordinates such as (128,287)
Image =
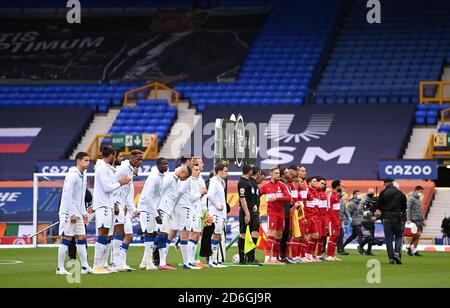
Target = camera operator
(367,209)
(391,206)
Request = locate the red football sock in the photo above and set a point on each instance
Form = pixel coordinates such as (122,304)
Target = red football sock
(289,249)
(311,247)
(303,248)
(269,245)
(276,249)
(331,250)
(319,247)
(296,252)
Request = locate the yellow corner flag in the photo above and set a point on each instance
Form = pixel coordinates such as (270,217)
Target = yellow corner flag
(249,245)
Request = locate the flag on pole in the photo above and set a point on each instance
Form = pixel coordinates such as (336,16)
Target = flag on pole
(296,225)
(249,245)
(262,239)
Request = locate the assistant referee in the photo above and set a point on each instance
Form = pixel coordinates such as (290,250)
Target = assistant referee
(249,212)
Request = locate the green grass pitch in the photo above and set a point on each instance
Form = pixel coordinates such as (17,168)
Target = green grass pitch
(38,270)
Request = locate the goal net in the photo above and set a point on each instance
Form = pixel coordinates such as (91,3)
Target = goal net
(47,192)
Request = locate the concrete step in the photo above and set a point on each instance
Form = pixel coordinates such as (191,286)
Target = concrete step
(175,145)
(440,209)
(418,143)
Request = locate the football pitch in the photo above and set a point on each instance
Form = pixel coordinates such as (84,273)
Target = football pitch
(37,269)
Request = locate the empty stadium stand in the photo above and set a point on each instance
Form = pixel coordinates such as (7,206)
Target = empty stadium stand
(384,63)
(147,117)
(281,62)
(429,114)
(97,97)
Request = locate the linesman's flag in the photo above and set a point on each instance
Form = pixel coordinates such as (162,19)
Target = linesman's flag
(249,245)
(296,225)
(262,239)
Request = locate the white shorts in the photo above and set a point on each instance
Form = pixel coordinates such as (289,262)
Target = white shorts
(148,223)
(124,219)
(128,226)
(120,219)
(219,223)
(196,223)
(182,219)
(66,228)
(166,225)
(104,218)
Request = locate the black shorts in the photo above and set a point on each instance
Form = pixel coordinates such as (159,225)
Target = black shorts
(254,224)
(419,224)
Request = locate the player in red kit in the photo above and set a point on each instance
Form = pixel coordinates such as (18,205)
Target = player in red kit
(311,216)
(303,191)
(293,245)
(335,224)
(323,215)
(277,195)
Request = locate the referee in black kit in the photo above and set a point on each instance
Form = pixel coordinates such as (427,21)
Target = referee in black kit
(248,214)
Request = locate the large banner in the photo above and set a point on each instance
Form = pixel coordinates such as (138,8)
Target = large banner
(31,134)
(334,141)
(168,46)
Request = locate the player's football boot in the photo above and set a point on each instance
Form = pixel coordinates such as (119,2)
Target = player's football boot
(62,272)
(86,270)
(167,268)
(100,271)
(151,267)
(143,265)
(194,267)
(128,268)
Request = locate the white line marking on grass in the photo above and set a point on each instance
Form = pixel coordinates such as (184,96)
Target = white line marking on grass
(10,262)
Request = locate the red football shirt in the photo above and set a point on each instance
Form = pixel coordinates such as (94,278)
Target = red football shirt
(323,204)
(334,209)
(278,190)
(311,209)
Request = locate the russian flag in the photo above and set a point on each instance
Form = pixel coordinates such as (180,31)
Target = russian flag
(17,140)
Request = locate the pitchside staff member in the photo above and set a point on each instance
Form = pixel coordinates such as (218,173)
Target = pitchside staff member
(248,214)
(391,207)
(414,214)
(258,177)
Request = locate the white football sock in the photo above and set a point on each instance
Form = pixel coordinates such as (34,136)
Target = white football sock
(215,250)
(116,251)
(185,252)
(149,248)
(162,256)
(123,254)
(62,252)
(192,249)
(106,255)
(82,252)
(99,253)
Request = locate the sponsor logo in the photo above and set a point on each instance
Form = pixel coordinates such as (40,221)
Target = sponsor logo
(409,169)
(280,124)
